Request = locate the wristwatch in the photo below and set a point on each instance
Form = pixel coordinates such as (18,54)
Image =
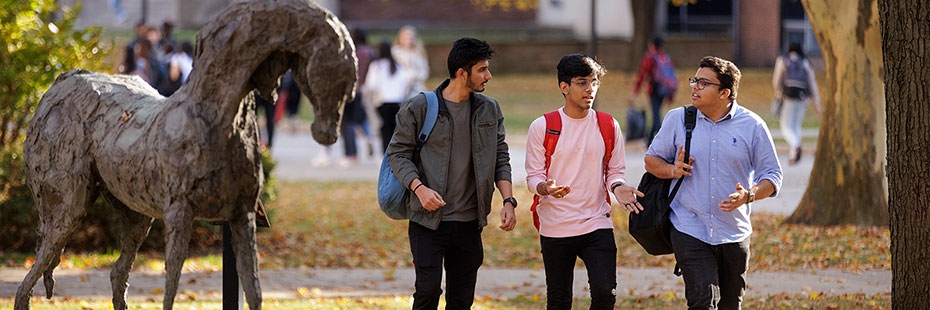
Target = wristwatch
(752,196)
(512,201)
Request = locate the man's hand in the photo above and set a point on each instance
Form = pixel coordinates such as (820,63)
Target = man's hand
(551,189)
(735,200)
(430,199)
(508,218)
(626,196)
(680,168)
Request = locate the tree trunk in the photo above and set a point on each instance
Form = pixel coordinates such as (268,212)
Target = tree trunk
(847,184)
(905,29)
(644,16)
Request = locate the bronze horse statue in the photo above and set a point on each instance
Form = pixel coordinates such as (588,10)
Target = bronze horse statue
(193,155)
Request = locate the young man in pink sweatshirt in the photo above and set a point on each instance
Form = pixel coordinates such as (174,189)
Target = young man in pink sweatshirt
(573,184)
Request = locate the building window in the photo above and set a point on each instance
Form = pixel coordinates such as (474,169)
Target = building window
(703,17)
(796,27)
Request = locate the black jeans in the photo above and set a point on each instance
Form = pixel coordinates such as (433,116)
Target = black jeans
(655,100)
(715,275)
(598,250)
(459,244)
(388,112)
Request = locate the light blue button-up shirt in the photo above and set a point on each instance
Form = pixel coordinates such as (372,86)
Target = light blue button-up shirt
(735,148)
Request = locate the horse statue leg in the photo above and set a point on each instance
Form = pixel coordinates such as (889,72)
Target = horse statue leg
(60,213)
(135,228)
(179,222)
(243,242)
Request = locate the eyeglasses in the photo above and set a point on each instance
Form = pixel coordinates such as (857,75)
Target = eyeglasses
(585,83)
(701,83)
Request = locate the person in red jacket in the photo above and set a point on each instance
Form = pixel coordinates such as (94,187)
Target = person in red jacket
(657,67)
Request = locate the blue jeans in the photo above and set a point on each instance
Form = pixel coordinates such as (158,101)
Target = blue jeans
(715,275)
(598,250)
(459,244)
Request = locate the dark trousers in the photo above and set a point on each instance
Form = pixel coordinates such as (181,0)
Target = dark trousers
(715,275)
(459,244)
(598,250)
(655,101)
(388,112)
(352,118)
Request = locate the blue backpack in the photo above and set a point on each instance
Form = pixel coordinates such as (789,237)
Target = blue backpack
(664,80)
(392,194)
(795,79)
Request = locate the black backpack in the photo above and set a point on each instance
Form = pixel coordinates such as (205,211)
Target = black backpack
(652,227)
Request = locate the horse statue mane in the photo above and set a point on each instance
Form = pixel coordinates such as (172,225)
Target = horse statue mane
(191,156)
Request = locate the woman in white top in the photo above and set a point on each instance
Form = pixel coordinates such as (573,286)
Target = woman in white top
(387,84)
(409,52)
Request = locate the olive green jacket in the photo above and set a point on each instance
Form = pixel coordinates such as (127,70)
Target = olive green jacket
(490,153)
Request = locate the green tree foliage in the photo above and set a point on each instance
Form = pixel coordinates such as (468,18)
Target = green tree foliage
(38,41)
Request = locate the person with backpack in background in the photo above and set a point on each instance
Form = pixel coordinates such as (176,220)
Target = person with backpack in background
(572,208)
(795,85)
(657,67)
(452,177)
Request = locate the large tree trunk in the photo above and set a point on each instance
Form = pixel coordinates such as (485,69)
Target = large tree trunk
(847,184)
(644,17)
(905,37)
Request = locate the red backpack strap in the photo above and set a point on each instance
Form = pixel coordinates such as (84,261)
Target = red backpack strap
(605,122)
(553,130)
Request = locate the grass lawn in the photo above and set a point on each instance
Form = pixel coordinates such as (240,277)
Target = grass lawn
(333,224)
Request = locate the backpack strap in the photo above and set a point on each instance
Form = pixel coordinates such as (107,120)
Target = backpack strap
(553,130)
(605,122)
(432,113)
(690,121)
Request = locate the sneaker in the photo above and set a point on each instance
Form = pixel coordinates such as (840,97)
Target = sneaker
(797,157)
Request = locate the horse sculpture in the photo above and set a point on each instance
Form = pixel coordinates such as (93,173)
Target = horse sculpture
(194,155)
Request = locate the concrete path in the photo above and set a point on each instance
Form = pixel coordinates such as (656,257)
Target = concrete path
(493,282)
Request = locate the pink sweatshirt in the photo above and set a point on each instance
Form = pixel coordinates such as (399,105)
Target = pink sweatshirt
(577,162)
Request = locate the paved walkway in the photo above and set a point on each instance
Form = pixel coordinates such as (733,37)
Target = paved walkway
(508,283)
(300,158)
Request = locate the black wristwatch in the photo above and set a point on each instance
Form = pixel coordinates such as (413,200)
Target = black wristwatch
(512,201)
(752,196)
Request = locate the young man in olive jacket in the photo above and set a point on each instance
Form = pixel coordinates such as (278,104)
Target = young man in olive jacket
(454,177)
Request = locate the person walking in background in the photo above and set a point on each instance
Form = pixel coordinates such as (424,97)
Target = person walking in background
(453,181)
(288,104)
(408,50)
(354,116)
(795,85)
(574,201)
(129,56)
(710,215)
(388,82)
(656,66)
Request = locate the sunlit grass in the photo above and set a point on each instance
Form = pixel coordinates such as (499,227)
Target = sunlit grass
(339,225)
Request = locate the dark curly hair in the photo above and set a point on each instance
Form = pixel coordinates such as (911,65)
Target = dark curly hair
(726,71)
(466,52)
(579,65)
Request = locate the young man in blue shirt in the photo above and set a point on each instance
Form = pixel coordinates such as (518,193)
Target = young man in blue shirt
(733,163)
